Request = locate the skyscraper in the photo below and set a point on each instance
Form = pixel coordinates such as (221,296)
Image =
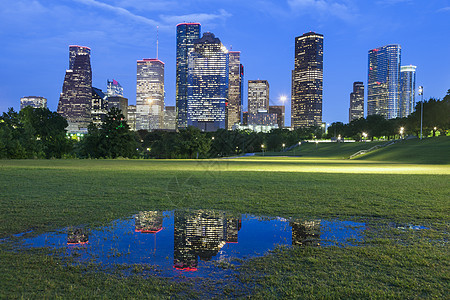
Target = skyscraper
(131,117)
(207,83)
(76,98)
(33,101)
(235,86)
(383,93)
(307,81)
(408,88)
(149,94)
(279,111)
(187,33)
(99,107)
(113,88)
(356,109)
(258,96)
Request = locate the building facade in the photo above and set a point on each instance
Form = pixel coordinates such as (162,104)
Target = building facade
(99,107)
(187,33)
(170,118)
(207,84)
(383,89)
(307,81)
(258,96)
(263,117)
(76,98)
(407,92)
(235,88)
(119,102)
(33,101)
(356,109)
(279,111)
(131,117)
(149,94)
(113,88)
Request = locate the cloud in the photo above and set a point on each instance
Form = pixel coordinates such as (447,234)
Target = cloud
(200,17)
(392,2)
(444,9)
(340,10)
(120,11)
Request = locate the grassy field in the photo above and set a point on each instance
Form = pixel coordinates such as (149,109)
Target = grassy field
(43,195)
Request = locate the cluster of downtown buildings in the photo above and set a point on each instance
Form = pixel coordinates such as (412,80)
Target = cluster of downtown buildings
(209,89)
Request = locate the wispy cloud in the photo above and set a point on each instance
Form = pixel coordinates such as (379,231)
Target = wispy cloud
(392,2)
(119,10)
(340,10)
(200,17)
(444,9)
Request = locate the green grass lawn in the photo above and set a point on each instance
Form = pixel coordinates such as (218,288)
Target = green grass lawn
(43,195)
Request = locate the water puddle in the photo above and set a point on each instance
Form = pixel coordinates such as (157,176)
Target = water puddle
(193,243)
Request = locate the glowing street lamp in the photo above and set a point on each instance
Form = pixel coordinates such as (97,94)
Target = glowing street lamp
(421,109)
(262,147)
(401,131)
(284,145)
(283,99)
(364,135)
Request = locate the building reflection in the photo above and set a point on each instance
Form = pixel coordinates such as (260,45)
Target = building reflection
(201,234)
(305,233)
(148,221)
(77,236)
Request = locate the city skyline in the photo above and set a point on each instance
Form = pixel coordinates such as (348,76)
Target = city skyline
(35,53)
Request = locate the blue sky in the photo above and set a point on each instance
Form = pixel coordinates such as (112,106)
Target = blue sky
(35,36)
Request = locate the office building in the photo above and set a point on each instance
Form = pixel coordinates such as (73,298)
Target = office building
(235,88)
(76,98)
(187,33)
(131,117)
(99,107)
(383,90)
(33,101)
(279,111)
(408,88)
(149,94)
(356,109)
(207,84)
(119,102)
(258,96)
(307,81)
(170,118)
(113,88)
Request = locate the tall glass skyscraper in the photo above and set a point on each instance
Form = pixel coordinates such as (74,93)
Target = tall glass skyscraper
(307,81)
(75,100)
(207,84)
(235,87)
(356,109)
(187,33)
(408,88)
(113,88)
(33,101)
(149,94)
(383,95)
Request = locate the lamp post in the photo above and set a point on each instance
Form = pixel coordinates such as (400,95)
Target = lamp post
(421,110)
(364,135)
(262,147)
(284,145)
(401,132)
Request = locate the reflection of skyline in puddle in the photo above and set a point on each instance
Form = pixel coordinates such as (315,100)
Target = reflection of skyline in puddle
(192,242)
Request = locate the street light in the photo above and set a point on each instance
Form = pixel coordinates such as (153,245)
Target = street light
(401,131)
(364,135)
(284,145)
(421,110)
(262,147)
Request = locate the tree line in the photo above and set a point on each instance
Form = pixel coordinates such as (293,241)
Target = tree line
(40,133)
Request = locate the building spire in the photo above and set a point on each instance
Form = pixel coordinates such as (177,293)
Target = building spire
(157,41)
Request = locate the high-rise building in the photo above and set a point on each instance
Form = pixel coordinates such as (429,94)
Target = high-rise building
(187,33)
(119,102)
(149,94)
(356,109)
(170,118)
(408,88)
(76,98)
(113,88)
(383,92)
(99,107)
(131,117)
(235,87)
(33,101)
(258,96)
(264,118)
(279,111)
(307,81)
(207,84)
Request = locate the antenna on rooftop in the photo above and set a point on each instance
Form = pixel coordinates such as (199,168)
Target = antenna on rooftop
(157,40)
